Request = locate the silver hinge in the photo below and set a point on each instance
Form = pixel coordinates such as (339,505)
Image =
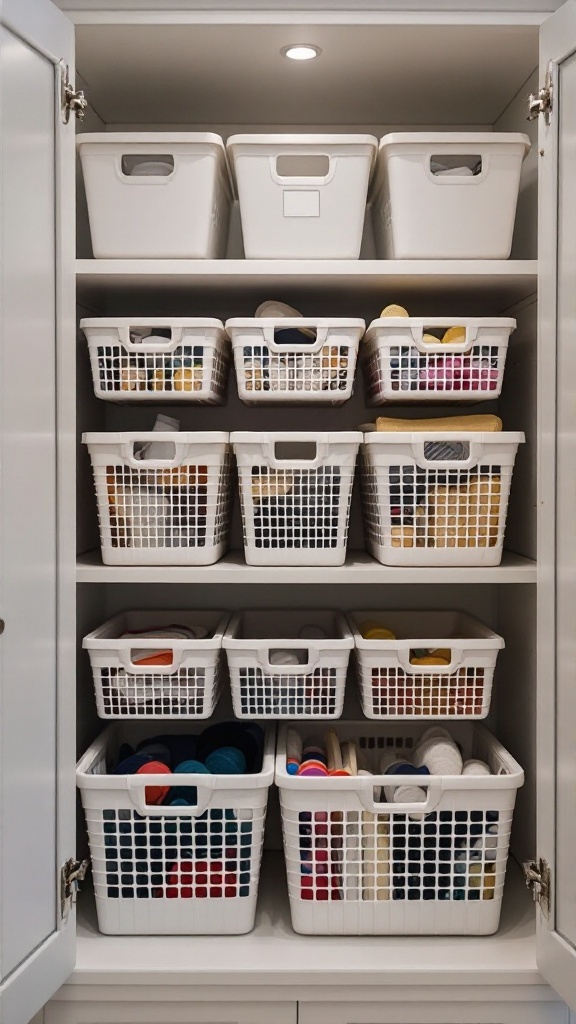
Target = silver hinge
(541,101)
(72,101)
(73,872)
(538,880)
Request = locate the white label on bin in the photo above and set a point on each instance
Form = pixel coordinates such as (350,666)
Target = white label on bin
(302,204)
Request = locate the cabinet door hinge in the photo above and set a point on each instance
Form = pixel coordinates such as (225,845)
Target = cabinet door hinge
(71,100)
(538,880)
(541,102)
(73,872)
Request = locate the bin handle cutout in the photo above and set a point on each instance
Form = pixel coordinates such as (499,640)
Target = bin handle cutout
(307,347)
(145,166)
(471,451)
(433,784)
(302,667)
(204,785)
(310,163)
(478,164)
(166,344)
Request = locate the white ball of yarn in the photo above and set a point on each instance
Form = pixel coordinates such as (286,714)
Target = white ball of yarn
(475,767)
(440,756)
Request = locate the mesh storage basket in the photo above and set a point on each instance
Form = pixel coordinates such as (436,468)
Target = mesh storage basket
(173,870)
(437,498)
(359,866)
(276,362)
(295,492)
(288,664)
(173,510)
(403,361)
(158,360)
(393,686)
(186,685)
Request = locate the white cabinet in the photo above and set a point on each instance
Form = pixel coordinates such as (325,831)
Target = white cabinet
(219,65)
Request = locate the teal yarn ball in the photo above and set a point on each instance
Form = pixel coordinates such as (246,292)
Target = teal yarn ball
(226,761)
(191,768)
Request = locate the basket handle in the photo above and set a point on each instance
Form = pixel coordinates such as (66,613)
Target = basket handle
(165,344)
(204,784)
(454,179)
(180,453)
(417,333)
(133,668)
(306,347)
(475,449)
(289,462)
(433,784)
(457,657)
(145,179)
(306,668)
(289,180)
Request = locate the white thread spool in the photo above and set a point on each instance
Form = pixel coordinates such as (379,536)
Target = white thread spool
(409,794)
(439,755)
(434,732)
(475,767)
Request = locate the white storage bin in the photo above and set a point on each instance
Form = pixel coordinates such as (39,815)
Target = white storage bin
(187,687)
(173,870)
(437,498)
(319,370)
(156,195)
(421,211)
(173,510)
(295,492)
(133,362)
(402,364)
(288,664)
(302,196)
(358,865)
(392,687)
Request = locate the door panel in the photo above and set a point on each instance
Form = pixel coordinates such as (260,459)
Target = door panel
(36,950)
(556,717)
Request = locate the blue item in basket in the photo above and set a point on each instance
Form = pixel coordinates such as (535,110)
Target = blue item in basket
(247,737)
(156,750)
(226,761)
(180,795)
(131,764)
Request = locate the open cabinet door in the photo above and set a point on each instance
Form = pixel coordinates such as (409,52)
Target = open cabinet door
(37,729)
(556,928)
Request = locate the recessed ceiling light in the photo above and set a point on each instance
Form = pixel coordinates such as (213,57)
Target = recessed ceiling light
(301,51)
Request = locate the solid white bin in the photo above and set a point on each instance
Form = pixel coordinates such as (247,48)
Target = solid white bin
(401,363)
(288,664)
(436,498)
(392,687)
(156,195)
(187,687)
(317,370)
(158,359)
(173,510)
(420,214)
(295,493)
(358,865)
(302,196)
(173,870)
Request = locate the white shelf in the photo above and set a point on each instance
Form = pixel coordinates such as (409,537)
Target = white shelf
(503,282)
(359,568)
(273,955)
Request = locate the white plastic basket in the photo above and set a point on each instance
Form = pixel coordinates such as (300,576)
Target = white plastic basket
(392,687)
(319,370)
(189,687)
(437,498)
(156,195)
(399,366)
(295,492)
(132,362)
(181,870)
(419,213)
(360,866)
(259,644)
(302,196)
(171,511)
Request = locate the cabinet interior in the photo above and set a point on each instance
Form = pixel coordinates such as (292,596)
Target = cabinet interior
(369,78)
